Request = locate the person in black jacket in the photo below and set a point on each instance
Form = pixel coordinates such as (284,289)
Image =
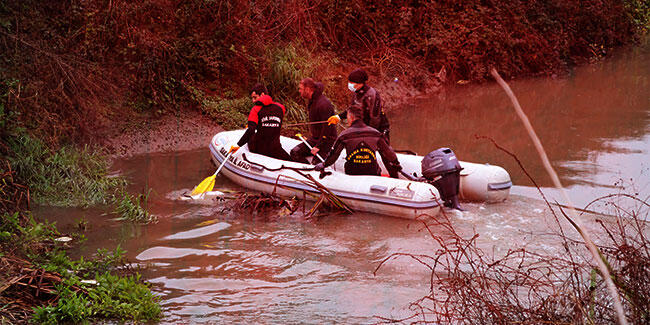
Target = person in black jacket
(264,125)
(370,101)
(361,143)
(322,135)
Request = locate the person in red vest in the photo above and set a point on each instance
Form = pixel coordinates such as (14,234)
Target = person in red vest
(264,125)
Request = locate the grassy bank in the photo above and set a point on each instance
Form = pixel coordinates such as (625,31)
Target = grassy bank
(34,252)
(41,283)
(38,280)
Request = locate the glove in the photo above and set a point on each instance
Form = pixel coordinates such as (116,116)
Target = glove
(233,149)
(319,167)
(334,119)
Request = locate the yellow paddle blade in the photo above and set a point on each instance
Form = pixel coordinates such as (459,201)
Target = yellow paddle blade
(206,186)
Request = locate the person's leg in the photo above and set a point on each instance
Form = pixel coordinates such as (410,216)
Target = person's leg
(282,155)
(299,153)
(276,151)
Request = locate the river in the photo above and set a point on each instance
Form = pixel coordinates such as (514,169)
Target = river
(209,264)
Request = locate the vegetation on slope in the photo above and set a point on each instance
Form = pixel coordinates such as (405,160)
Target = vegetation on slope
(76,66)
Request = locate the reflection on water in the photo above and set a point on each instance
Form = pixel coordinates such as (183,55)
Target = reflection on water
(211,265)
(594,125)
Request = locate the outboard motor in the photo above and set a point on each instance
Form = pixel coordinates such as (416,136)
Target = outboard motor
(442,169)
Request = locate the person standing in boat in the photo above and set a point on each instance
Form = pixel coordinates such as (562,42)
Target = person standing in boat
(264,125)
(322,134)
(370,101)
(361,143)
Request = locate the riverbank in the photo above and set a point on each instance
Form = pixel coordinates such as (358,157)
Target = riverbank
(39,282)
(73,69)
(173,132)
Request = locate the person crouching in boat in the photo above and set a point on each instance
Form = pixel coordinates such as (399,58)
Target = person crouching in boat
(264,124)
(361,143)
(322,135)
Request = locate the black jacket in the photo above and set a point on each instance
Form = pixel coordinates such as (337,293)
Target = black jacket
(373,111)
(320,109)
(361,142)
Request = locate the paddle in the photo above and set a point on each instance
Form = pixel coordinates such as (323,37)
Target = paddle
(308,146)
(208,184)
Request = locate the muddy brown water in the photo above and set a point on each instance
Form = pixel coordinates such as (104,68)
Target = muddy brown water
(210,266)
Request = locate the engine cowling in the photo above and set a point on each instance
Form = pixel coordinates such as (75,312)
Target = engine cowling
(442,169)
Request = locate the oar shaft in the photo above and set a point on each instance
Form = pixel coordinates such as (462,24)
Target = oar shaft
(310,123)
(306,123)
(310,147)
(223,163)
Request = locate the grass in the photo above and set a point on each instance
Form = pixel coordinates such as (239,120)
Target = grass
(70,177)
(25,232)
(64,177)
(134,208)
(119,293)
(288,65)
(230,113)
(123,298)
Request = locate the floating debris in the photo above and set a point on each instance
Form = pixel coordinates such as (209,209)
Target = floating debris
(202,196)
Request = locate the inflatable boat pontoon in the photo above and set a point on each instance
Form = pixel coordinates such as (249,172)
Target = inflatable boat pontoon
(404,198)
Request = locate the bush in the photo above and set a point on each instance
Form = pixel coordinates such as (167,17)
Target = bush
(65,177)
(113,297)
(78,60)
(230,113)
(520,285)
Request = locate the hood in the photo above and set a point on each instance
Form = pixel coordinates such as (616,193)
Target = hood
(318,91)
(265,99)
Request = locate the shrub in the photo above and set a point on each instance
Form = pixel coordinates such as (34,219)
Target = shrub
(230,113)
(121,298)
(65,177)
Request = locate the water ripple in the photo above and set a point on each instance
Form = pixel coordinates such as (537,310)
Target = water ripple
(199,232)
(162,252)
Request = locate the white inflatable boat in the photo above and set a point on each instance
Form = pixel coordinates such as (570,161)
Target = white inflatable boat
(402,197)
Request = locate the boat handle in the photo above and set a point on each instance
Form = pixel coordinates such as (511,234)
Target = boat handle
(499,186)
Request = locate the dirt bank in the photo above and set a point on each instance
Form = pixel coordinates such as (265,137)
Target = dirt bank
(183,131)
